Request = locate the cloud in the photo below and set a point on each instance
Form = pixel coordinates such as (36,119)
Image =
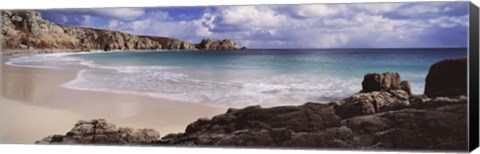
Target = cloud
(117,13)
(448,22)
(250,17)
(107,13)
(77,20)
(425,10)
(315,10)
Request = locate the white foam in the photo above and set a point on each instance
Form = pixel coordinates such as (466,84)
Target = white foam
(54,61)
(61,60)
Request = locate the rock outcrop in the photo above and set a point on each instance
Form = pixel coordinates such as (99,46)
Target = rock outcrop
(384,82)
(384,115)
(372,102)
(226,44)
(28,32)
(441,128)
(447,78)
(98,131)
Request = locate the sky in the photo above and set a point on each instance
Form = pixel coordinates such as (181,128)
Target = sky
(354,25)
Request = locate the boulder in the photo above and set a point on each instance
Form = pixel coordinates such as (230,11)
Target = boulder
(447,78)
(384,82)
(372,102)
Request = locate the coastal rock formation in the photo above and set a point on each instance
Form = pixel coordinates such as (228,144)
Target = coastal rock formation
(440,128)
(226,44)
(98,131)
(447,78)
(384,82)
(28,32)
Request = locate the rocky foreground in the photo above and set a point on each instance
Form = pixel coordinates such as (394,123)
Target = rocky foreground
(384,115)
(28,32)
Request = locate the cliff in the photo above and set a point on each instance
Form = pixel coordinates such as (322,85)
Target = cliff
(28,32)
(384,115)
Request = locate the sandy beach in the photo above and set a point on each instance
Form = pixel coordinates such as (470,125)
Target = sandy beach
(34,105)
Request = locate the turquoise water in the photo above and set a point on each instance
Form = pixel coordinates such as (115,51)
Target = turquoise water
(241,78)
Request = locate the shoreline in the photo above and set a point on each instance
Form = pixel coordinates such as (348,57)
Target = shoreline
(38,91)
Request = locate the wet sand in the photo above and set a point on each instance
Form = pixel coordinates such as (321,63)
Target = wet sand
(34,105)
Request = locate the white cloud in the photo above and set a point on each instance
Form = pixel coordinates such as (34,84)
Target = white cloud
(203,25)
(448,22)
(119,13)
(108,13)
(113,24)
(378,8)
(317,10)
(251,16)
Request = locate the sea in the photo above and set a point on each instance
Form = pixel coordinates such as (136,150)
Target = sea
(240,78)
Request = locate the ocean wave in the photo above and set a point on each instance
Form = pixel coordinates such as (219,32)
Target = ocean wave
(65,60)
(53,60)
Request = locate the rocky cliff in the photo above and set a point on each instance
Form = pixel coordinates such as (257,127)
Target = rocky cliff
(226,44)
(384,115)
(28,32)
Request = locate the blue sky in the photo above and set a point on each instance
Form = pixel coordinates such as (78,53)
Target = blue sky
(361,25)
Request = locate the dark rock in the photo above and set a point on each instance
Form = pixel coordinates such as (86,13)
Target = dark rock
(399,129)
(423,101)
(425,129)
(368,124)
(399,139)
(197,125)
(447,78)
(372,102)
(254,117)
(405,85)
(336,137)
(384,82)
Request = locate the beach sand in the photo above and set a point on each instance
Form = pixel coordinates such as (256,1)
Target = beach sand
(34,105)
